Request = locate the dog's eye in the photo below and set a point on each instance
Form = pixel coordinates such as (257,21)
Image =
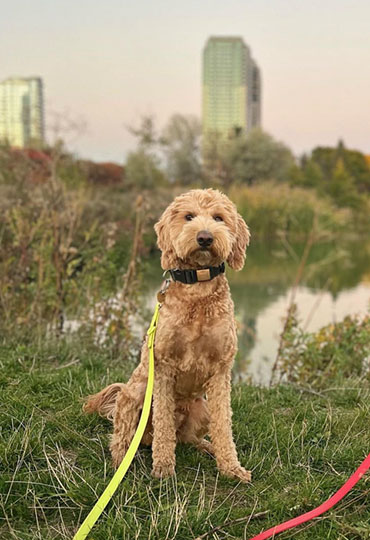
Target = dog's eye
(217,218)
(189,217)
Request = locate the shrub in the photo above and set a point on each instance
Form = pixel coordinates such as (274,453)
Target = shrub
(271,209)
(337,351)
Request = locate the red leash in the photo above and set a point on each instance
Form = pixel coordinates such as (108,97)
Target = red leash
(365,465)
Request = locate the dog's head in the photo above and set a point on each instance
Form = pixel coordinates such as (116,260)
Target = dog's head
(202,228)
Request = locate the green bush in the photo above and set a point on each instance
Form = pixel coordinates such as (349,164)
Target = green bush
(65,249)
(272,209)
(334,353)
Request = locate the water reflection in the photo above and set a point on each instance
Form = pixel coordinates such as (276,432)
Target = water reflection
(335,282)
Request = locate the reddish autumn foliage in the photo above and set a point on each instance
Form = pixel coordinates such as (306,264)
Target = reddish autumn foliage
(103,173)
(34,164)
(38,164)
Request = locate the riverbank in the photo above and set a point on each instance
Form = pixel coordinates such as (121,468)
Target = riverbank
(301,442)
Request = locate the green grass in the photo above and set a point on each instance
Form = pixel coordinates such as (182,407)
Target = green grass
(55,462)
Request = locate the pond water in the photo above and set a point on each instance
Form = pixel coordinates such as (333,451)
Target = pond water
(335,283)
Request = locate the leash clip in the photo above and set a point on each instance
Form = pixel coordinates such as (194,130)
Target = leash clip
(161,294)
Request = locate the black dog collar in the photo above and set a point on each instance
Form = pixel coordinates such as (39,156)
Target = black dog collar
(194,276)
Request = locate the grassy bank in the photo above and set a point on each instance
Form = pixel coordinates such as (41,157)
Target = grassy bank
(301,444)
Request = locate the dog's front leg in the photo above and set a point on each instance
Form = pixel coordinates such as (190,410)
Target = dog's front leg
(219,404)
(164,430)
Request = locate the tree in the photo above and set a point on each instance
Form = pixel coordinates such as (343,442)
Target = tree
(342,187)
(213,166)
(354,162)
(254,157)
(146,134)
(181,144)
(312,175)
(142,170)
(143,166)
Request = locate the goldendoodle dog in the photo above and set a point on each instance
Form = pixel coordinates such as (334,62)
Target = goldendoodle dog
(195,343)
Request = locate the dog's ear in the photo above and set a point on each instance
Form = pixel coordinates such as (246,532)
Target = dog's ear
(164,241)
(237,255)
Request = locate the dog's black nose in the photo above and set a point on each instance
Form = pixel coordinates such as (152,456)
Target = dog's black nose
(204,238)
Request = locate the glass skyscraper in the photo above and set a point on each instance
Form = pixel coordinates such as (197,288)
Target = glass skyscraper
(21,111)
(231,87)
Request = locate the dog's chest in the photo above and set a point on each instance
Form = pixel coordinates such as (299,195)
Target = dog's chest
(197,353)
(197,338)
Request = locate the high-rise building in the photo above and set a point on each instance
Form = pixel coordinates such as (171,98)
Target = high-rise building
(255,97)
(21,111)
(231,87)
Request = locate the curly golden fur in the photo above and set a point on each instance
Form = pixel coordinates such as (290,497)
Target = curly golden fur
(195,343)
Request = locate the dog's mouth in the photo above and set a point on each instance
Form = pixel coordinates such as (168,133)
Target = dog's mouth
(206,250)
(203,256)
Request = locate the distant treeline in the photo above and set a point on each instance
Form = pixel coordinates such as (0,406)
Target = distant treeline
(178,155)
(341,173)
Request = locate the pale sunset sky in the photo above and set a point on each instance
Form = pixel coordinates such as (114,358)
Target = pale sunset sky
(108,63)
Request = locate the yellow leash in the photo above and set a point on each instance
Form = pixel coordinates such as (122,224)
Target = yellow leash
(109,491)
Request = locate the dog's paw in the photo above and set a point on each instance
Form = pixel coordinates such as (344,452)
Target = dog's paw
(163,470)
(118,452)
(238,472)
(206,447)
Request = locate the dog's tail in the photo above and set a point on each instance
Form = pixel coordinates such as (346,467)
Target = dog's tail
(104,401)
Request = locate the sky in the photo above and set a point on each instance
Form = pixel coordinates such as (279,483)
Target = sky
(106,64)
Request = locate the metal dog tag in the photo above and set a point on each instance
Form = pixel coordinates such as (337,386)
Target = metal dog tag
(203,275)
